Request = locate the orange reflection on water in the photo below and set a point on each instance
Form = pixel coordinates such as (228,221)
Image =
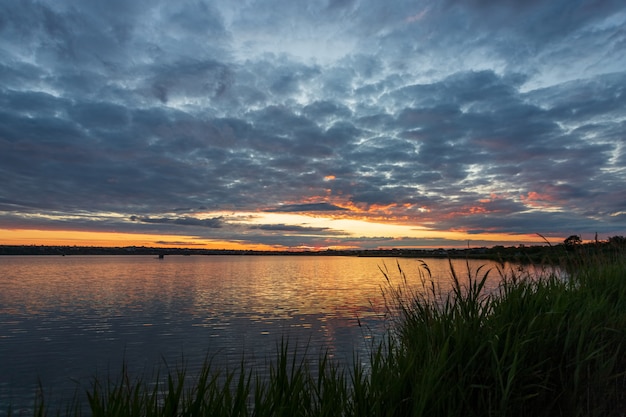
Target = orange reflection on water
(66,317)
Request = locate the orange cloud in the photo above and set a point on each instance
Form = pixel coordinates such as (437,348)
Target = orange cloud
(535,199)
(492,197)
(478,210)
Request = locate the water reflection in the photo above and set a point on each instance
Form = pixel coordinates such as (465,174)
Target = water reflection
(65,319)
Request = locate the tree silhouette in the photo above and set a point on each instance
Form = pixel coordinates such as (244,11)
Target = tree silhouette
(573,240)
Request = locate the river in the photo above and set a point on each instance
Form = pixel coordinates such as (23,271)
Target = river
(66,319)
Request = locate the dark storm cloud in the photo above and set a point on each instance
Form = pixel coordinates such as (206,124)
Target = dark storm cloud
(295,229)
(177,243)
(477,116)
(212,223)
(294,208)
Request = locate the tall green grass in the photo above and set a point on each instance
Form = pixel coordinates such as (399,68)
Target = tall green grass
(548,346)
(540,347)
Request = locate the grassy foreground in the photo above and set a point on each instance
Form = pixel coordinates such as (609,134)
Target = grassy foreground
(546,347)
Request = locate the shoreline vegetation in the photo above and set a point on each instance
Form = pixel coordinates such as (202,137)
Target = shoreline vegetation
(524,254)
(547,346)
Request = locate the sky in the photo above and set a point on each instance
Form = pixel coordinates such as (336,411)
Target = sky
(303,125)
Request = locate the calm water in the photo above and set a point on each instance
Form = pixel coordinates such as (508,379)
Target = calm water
(64,320)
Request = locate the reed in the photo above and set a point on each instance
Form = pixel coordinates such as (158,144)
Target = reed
(541,347)
(548,346)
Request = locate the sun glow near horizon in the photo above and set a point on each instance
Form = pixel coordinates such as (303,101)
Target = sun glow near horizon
(117,239)
(336,232)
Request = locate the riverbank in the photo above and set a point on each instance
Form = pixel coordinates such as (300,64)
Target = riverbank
(541,347)
(548,347)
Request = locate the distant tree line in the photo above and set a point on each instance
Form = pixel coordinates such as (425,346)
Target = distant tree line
(520,253)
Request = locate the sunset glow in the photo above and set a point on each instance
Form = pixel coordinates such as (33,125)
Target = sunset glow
(352,230)
(106,239)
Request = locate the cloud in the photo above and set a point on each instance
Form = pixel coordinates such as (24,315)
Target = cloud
(289,228)
(419,112)
(213,223)
(177,243)
(308,207)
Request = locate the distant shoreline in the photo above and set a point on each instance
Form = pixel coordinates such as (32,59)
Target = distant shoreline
(520,253)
